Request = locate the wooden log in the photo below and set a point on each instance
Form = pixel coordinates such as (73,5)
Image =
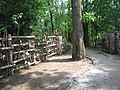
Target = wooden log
(59,45)
(42,44)
(22,44)
(10,58)
(43,54)
(32,46)
(23,37)
(52,45)
(2,39)
(52,54)
(6,67)
(23,51)
(6,48)
(52,50)
(48,41)
(51,36)
(19,60)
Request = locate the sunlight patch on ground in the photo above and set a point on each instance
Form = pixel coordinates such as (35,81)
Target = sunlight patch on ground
(88,79)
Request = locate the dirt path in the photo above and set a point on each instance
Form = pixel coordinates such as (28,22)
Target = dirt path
(61,73)
(105,75)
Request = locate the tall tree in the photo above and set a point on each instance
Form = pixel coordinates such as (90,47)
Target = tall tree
(51,18)
(85,24)
(78,50)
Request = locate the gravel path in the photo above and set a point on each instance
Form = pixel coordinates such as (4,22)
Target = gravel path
(61,73)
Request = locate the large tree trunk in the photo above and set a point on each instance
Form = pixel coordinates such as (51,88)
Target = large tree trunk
(78,49)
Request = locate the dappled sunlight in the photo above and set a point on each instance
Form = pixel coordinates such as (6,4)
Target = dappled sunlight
(62,73)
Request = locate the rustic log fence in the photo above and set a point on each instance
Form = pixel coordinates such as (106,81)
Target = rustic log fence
(23,51)
(111,43)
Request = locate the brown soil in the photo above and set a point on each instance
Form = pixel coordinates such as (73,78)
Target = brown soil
(61,73)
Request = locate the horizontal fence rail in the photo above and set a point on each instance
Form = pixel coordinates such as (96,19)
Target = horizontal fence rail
(23,51)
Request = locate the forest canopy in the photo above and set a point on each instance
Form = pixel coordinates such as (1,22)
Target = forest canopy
(23,17)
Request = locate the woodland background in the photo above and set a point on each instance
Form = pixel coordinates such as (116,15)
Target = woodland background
(40,17)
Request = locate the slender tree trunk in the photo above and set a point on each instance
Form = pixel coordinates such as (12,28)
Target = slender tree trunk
(18,31)
(69,22)
(85,25)
(96,33)
(86,37)
(51,19)
(78,50)
(45,26)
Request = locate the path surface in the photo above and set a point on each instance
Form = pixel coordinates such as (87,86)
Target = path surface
(61,73)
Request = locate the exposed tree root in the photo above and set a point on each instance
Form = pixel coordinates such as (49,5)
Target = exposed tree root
(90,59)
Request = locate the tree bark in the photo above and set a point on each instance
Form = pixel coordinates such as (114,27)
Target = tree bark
(86,37)
(78,49)
(51,19)
(85,25)
(45,27)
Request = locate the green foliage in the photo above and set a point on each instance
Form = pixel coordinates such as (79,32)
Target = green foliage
(89,17)
(16,18)
(33,16)
(102,16)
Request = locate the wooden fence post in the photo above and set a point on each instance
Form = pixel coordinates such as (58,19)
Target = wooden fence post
(59,44)
(10,58)
(46,49)
(33,47)
(34,52)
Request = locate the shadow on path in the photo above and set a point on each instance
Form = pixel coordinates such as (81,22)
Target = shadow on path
(60,60)
(36,81)
(48,75)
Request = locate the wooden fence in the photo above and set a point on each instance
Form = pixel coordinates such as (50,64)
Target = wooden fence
(111,43)
(23,51)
